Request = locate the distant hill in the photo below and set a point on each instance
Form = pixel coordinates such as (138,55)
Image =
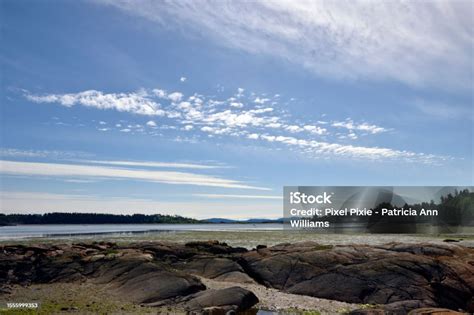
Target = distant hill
(219,220)
(280,220)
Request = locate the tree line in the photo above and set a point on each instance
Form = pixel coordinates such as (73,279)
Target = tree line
(454,209)
(91,218)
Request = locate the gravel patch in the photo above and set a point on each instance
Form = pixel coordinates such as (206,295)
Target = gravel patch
(274,300)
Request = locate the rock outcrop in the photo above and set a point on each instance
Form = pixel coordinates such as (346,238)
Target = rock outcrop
(398,278)
(401,276)
(141,274)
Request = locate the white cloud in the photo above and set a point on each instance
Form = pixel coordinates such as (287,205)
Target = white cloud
(175,96)
(268,138)
(240,92)
(236,104)
(352,136)
(8,152)
(418,43)
(259,100)
(100,172)
(216,131)
(219,118)
(159,93)
(182,79)
(294,128)
(241,119)
(315,129)
(207,129)
(155,164)
(54,154)
(261,110)
(221,196)
(309,128)
(273,125)
(350,125)
(324,149)
(136,103)
(79,181)
(151,123)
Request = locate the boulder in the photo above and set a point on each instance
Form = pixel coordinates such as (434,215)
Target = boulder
(219,268)
(233,298)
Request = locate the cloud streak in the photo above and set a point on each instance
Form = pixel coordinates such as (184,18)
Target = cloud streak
(100,172)
(137,103)
(444,111)
(156,164)
(26,201)
(64,155)
(223,196)
(325,149)
(417,43)
(365,127)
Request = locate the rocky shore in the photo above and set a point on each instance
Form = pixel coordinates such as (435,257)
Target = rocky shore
(388,279)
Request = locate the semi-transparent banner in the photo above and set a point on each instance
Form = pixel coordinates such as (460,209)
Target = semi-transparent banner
(379,209)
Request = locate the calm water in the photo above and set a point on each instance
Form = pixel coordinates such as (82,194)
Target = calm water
(244,235)
(53,230)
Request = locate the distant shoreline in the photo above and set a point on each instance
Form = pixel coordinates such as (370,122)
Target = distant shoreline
(1,225)
(104,218)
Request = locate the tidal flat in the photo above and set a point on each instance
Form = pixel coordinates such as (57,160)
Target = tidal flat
(251,238)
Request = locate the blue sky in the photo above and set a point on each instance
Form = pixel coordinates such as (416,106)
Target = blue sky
(207,109)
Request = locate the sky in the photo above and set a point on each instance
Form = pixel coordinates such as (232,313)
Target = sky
(208,108)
